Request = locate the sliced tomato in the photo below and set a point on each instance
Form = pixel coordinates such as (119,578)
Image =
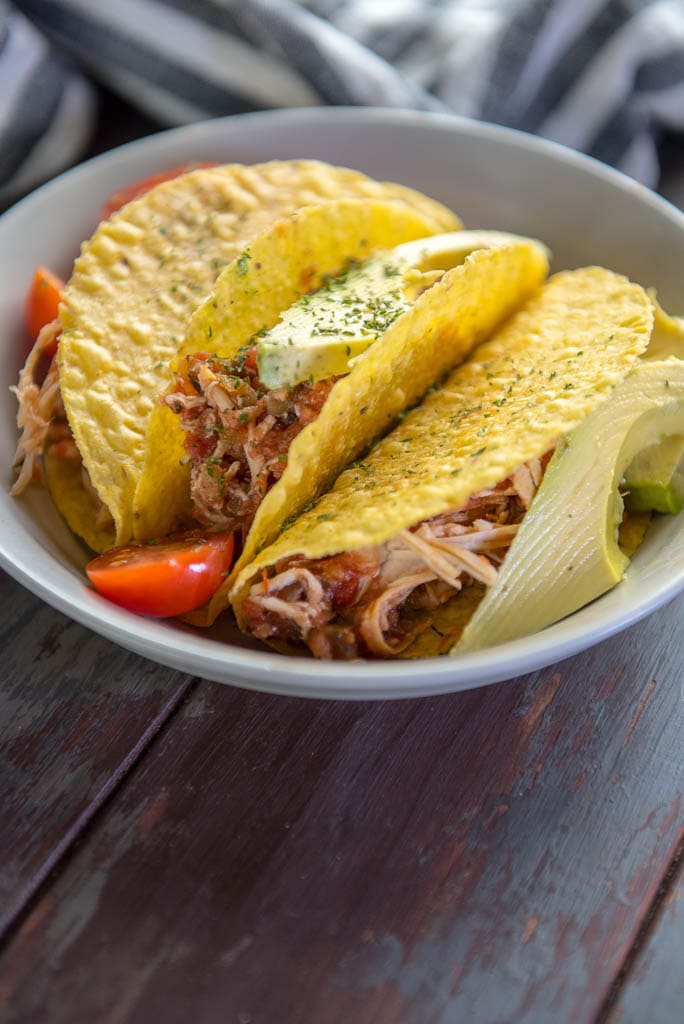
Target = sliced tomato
(42,301)
(164,578)
(128,192)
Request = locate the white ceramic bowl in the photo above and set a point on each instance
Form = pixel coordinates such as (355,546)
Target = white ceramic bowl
(492,177)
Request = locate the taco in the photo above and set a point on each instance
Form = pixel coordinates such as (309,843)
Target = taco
(271,419)
(395,558)
(127,307)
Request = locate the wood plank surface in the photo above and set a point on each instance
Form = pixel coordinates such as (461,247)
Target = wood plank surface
(653,989)
(485,858)
(75,713)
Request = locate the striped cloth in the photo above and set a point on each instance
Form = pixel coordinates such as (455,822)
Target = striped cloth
(603,76)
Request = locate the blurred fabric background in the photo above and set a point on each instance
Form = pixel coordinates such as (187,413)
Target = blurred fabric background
(603,76)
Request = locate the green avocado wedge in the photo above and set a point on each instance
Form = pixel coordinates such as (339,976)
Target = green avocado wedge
(566,552)
(655,479)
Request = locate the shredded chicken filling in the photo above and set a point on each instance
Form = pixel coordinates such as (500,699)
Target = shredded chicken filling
(43,423)
(237,434)
(40,405)
(375,601)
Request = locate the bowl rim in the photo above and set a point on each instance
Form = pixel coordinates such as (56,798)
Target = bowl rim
(303,676)
(304,115)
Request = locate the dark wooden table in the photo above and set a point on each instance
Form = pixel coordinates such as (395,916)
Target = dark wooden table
(175,850)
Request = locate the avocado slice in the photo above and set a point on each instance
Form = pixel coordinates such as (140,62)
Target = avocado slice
(655,479)
(321,334)
(566,552)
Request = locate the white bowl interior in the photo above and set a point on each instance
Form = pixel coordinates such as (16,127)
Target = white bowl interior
(492,177)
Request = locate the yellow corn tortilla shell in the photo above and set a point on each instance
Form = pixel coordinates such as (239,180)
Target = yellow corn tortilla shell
(537,378)
(139,278)
(668,333)
(447,623)
(76,505)
(632,531)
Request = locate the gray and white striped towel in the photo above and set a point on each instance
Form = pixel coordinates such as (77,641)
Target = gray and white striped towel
(603,76)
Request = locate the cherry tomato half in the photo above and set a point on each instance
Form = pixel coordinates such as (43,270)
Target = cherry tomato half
(42,301)
(164,578)
(128,192)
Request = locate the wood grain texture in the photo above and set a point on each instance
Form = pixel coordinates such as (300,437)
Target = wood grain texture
(654,987)
(486,857)
(75,712)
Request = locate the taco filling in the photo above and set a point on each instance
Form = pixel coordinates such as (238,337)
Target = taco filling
(41,411)
(237,433)
(43,421)
(374,601)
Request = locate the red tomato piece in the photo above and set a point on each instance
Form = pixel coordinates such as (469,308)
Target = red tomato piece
(42,301)
(164,578)
(128,192)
